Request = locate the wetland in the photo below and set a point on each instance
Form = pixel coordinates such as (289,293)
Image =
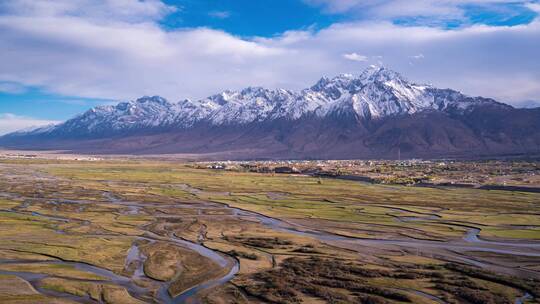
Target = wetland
(149,231)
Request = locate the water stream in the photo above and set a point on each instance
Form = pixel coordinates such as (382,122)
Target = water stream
(110,277)
(470,242)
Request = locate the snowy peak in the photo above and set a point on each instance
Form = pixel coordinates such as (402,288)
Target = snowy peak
(350,81)
(153,100)
(145,112)
(338,86)
(381,74)
(144,104)
(374,78)
(377,92)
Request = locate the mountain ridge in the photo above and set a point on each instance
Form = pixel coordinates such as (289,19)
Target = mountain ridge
(346,116)
(339,94)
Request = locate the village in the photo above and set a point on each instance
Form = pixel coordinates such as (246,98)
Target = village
(523,173)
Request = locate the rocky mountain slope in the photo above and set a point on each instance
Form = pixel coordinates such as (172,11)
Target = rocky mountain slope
(374,114)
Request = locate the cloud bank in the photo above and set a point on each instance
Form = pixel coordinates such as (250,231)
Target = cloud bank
(116,49)
(11,122)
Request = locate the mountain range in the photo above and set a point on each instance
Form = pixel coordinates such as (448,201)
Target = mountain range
(376,114)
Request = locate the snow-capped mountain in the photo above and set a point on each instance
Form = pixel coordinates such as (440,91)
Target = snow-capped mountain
(145,112)
(354,107)
(376,93)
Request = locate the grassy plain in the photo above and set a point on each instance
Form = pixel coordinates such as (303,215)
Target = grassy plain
(368,206)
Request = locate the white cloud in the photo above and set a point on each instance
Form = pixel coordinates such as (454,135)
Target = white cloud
(397,8)
(355,57)
(220,14)
(433,11)
(419,56)
(101,10)
(535,7)
(81,55)
(528,104)
(11,122)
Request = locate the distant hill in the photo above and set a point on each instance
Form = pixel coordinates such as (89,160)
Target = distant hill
(372,115)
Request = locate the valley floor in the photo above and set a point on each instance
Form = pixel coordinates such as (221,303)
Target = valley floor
(134,231)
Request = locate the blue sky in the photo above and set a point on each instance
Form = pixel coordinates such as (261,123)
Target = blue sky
(66,56)
(249,18)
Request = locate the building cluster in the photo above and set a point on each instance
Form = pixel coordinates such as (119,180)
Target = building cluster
(49,156)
